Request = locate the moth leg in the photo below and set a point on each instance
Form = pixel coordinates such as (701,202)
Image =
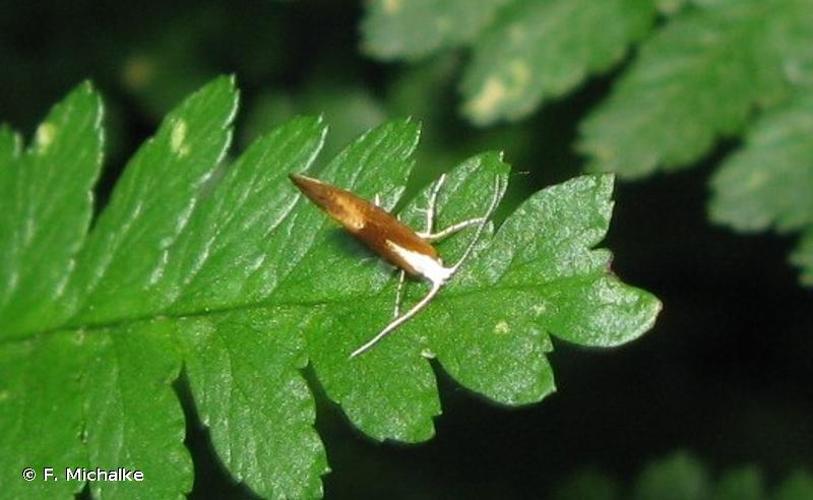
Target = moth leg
(431,211)
(400,320)
(454,228)
(399,294)
(377,200)
(430,221)
(436,285)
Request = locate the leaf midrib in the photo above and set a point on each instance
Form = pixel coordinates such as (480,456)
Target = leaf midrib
(112,325)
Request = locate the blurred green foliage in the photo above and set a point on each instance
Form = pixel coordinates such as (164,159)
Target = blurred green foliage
(696,78)
(681,476)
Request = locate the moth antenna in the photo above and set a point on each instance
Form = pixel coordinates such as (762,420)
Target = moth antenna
(433,201)
(494,201)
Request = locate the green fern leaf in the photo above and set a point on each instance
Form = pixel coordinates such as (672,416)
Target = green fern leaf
(797,487)
(697,80)
(803,258)
(543,49)
(523,51)
(226,271)
(769,182)
(395,29)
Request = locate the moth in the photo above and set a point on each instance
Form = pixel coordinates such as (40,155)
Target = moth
(408,250)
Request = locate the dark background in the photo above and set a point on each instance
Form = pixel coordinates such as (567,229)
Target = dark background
(726,372)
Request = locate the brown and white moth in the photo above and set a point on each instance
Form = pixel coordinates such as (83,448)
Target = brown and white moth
(394,241)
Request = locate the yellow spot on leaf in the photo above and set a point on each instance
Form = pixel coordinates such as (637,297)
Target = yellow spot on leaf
(391,6)
(502,327)
(178,137)
(496,90)
(45,136)
(520,76)
(79,337)
(482,105)
(669,6)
